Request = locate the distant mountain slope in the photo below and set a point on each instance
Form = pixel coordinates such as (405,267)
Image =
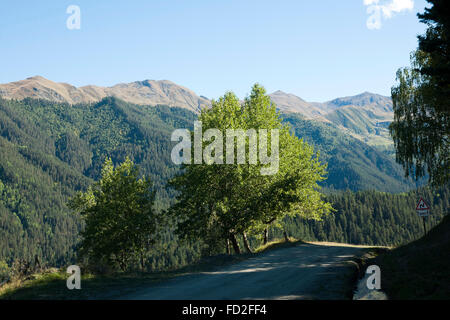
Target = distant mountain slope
(364,123)
(352,164)
(147,92)
(365,116)
(288,102)
(362,100)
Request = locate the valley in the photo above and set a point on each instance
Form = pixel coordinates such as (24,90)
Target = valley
(50,150)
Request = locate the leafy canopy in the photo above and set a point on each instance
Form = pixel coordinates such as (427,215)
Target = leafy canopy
(119,215)
(421,100)
(219,200)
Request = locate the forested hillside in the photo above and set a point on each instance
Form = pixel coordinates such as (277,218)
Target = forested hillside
(50,150)
(352,164)
(372,218)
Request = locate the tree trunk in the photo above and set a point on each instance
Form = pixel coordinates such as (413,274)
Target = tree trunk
(228,247)
(123,263)
(235,244)
(266,235)
(37,263)
(246,244)
(142,261)
(286,238)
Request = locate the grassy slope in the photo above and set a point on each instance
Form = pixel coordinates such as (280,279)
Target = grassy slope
(420,269)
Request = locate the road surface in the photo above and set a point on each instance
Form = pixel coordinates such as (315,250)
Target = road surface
(306,271)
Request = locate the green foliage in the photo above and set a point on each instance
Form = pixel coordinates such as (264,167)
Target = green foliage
(421,99)
(435,44)
(4,271)
(220,201)
(121,223)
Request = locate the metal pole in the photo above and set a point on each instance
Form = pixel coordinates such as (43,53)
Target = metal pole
(424,226)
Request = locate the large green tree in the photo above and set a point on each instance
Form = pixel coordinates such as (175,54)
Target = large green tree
(218,202)
(121,223)
(421,100)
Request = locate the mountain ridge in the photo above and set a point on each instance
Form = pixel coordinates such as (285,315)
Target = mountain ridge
(146,92)
(92,93)
(365,116)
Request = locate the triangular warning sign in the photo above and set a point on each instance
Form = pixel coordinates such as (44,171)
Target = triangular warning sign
(422,205)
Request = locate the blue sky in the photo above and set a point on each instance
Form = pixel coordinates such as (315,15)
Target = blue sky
(318,49)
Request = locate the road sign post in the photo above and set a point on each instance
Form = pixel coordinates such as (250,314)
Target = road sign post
(424,226)
(423,210)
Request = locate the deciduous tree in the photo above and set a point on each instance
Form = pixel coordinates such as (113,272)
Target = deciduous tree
(120,222)
(421,100)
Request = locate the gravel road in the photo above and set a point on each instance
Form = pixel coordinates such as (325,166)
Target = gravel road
(306,271)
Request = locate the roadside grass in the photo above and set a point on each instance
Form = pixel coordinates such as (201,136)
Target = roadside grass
(278,244)
(51,284)
(420,269)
